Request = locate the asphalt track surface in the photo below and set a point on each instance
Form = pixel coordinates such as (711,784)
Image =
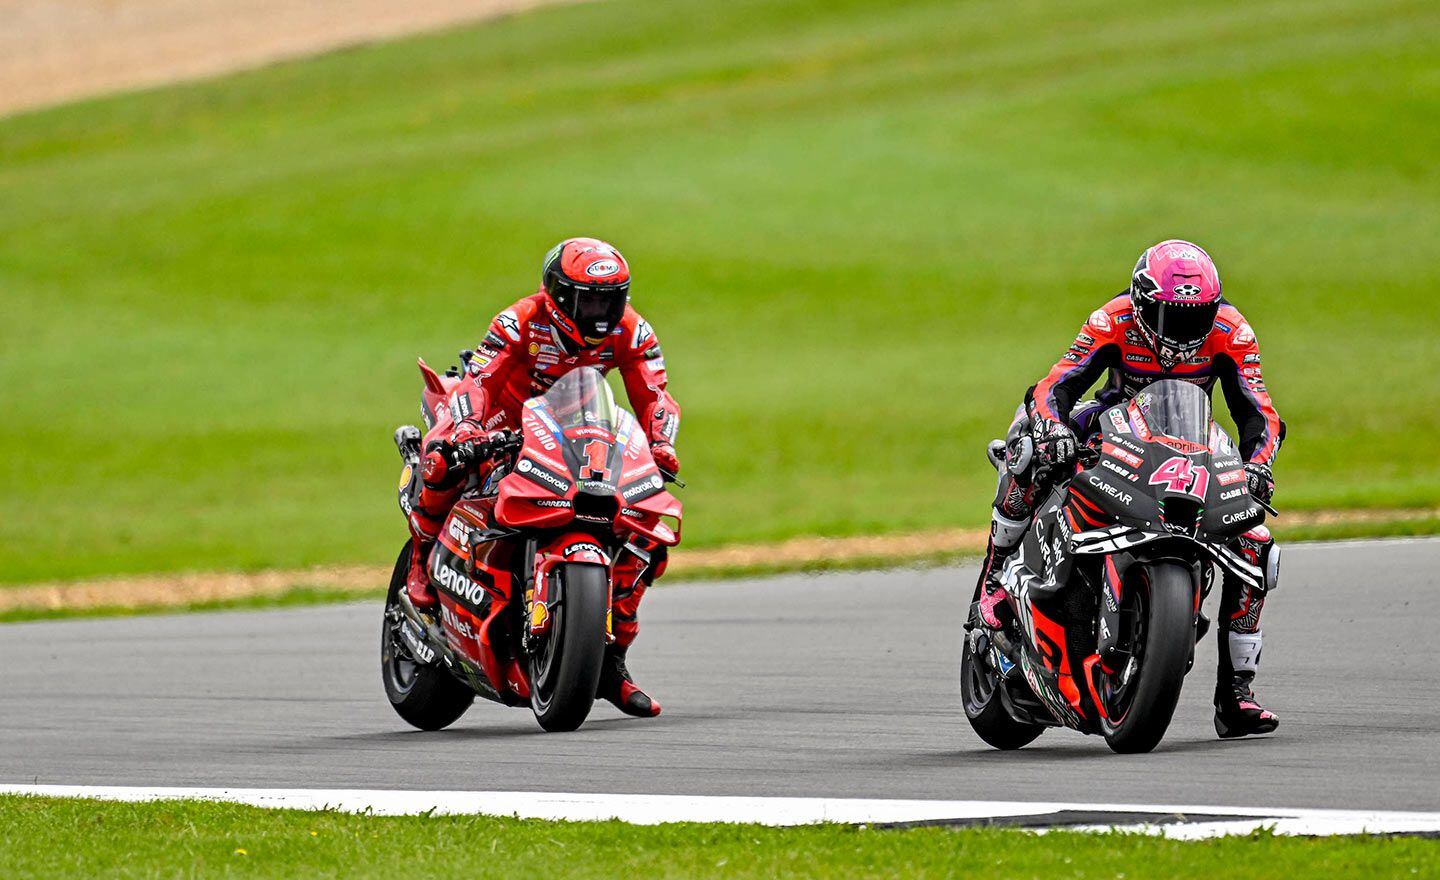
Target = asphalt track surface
(841,685)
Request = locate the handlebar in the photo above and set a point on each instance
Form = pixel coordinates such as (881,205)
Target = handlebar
(471,453)
(466,455)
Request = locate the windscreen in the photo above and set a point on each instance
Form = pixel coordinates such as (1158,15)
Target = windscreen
(1176,409)
(582,398)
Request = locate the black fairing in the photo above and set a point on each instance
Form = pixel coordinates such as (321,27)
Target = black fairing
(1125,482)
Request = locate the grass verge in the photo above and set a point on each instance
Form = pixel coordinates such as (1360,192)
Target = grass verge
(861,229)
(69,838)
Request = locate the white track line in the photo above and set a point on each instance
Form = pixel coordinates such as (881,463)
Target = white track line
(658,809)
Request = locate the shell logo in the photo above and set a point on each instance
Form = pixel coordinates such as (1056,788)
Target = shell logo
(538,615)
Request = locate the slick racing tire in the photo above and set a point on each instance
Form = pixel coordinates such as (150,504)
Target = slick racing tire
(980,692)
(565,667)
(428,697)
(1140,712)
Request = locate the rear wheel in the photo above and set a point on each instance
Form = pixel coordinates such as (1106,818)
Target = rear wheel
(1141,704)
(980,692)
(427,697)
(565,667)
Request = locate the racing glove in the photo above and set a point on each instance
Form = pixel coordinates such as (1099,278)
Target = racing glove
(447,460)
(1055,444)
(665,459)
(1260,481)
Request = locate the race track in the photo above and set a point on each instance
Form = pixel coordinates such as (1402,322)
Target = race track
(840,685)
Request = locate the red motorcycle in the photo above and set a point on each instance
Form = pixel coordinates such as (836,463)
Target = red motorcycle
(525,567)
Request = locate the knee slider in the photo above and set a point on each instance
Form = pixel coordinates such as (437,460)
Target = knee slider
(1272,568)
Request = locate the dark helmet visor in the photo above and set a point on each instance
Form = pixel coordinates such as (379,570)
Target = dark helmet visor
(595,309)
(1179,325)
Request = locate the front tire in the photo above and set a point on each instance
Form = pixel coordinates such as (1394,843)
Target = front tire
(1162,650)
(565,668)
(427,697)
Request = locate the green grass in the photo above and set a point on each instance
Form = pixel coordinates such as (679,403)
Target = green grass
(56,838)
(861,229)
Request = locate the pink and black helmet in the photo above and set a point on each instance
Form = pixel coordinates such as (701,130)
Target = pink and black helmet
(1175,291)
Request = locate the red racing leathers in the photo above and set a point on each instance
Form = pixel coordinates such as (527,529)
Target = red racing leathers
(1109,341)
(520,357)
(1230,355)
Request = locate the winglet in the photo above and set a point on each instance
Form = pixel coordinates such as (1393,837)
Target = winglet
(432,379)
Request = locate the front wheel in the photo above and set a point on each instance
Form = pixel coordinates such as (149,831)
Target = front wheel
(1140,706)
(427,697)
(565,667)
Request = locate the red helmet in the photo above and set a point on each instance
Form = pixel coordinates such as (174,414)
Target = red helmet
(588,284)
(1175,291)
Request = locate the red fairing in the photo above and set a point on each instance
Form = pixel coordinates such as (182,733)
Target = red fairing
(474,637)
(642,497)
(540,491)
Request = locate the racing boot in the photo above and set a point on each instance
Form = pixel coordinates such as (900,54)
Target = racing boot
(417,579)
(1237,713)
(617,686)
(992,594)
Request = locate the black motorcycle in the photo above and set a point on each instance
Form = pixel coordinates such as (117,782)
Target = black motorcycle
(1106,587)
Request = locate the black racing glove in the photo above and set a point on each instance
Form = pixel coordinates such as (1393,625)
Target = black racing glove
(1055,444)
(1260,482)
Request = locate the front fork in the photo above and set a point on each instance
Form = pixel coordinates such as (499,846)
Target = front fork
(544,592)
(1114,621)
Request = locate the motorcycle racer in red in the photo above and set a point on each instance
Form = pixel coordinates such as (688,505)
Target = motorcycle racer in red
(580,317)
(1172,323)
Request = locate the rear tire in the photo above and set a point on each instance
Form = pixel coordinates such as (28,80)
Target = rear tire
(980,694)
(565,668)
(427,697)
(1163,656)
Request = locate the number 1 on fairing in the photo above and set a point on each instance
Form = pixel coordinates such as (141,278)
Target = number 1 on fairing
(597,453)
